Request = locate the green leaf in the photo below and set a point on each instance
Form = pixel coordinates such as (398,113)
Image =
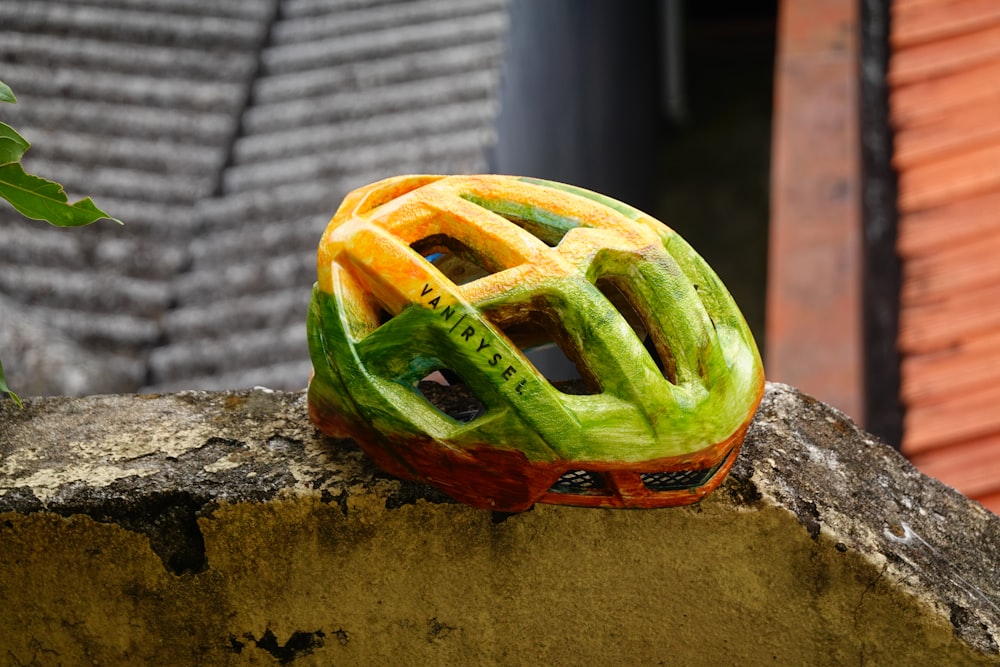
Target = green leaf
(39,199)
(4,388)
(12,145)
(6,94)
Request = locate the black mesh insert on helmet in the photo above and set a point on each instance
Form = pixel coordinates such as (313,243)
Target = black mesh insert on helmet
(578,482)
(680,480)
(675,481)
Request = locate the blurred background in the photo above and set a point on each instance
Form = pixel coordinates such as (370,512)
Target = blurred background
(225,134)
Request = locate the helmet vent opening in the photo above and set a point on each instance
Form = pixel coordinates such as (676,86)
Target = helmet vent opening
(545,343)
(613,289)
(548,234)
(449,394)
(678,480)
(545,226)
(459,263)
(579,482)
(382,315)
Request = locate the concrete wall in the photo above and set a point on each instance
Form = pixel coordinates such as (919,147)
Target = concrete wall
(201,528)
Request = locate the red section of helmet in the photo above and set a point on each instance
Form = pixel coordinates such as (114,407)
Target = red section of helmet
(505,480)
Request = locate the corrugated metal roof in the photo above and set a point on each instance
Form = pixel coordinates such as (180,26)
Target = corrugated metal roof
(945,110)
(224,134)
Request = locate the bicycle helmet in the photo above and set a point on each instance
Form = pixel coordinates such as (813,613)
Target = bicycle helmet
(434,290)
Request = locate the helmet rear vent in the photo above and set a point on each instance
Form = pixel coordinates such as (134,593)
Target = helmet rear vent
(579,482)
(449,394)
(617,293)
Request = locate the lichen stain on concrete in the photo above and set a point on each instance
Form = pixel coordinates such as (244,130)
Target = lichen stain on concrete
(112,446)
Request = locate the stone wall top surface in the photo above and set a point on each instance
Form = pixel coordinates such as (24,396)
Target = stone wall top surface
(826,524)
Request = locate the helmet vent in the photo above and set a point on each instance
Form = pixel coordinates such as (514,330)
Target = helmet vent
(546,226)
(618,295)
(459,263)
(547,345)
(678,480)
(382,315)
(579,482)
(550,235)
(449,394)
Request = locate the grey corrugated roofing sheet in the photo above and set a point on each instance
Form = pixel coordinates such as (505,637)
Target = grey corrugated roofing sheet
(388,40)
(416,150)
(135,103)
(196,64)
(224,134)
(379,70)
(155,154)
(248,9)
(147,25)
(326,110)
(76,83)
(362,19)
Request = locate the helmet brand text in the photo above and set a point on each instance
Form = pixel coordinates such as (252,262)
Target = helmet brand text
(469,334)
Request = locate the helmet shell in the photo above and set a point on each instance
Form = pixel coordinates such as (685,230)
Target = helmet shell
(459,276)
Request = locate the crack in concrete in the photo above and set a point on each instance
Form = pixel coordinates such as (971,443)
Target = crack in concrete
(868,587)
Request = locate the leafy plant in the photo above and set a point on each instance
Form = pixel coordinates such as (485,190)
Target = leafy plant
(35,197)
(5,388)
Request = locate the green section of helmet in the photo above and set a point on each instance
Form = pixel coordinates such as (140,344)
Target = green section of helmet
(637,416)
(708,380)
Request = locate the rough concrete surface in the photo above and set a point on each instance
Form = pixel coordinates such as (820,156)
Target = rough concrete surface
(221,528)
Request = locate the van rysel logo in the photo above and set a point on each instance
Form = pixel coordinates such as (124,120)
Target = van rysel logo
(468,334)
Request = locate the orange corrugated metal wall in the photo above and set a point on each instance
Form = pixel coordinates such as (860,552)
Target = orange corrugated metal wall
(944,78)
